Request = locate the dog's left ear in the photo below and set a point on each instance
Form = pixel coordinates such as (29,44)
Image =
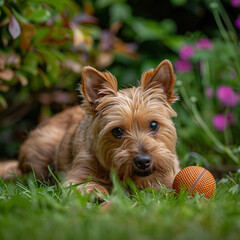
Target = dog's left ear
(96,85)
(163,77)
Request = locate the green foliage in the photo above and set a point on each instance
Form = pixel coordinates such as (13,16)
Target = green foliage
(42,42)
(213,68)
(43,47)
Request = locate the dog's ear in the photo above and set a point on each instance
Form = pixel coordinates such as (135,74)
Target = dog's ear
(163,77)
(96,84)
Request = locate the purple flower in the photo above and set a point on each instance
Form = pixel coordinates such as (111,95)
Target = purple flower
(237,22)
(221,121)
(182,66)
(227,96)
(204,44)
(235,3)
(209,92)
(186,52)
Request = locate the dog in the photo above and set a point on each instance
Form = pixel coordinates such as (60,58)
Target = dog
(130,131)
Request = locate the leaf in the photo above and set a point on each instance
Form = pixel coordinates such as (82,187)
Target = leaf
(28,32)
(58,4)
(30,63)
(22,79)
(120,12)
(169,25)
(44,78)
(178,2)
(39,16)
(88,7)
(175,42)
(13,27)
(106,3)
(58,54)
(53,66)
(18,16)
(149,29)
(41,33)
(78,36)
(3,102)
(7,74)
(80,39)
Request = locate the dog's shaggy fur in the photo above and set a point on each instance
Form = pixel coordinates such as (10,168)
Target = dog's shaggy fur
(108,131)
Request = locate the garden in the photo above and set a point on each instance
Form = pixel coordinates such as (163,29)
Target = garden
(44,45)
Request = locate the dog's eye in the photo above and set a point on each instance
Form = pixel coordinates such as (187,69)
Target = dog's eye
(154,126)
(117,132)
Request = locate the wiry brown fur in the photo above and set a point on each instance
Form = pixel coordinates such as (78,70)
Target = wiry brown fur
(80,143)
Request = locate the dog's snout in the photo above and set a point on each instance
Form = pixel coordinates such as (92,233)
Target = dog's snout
(143,161)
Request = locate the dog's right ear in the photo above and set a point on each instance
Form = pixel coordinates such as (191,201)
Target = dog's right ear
(96,85)
(161,77)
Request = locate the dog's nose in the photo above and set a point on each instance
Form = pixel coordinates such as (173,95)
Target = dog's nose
(143,161)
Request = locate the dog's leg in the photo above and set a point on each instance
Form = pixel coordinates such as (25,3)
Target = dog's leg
(40,149)
(9,170)
(82,171)
(88,188)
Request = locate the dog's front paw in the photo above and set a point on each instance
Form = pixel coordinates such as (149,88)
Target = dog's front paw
(93,187)
(89,188)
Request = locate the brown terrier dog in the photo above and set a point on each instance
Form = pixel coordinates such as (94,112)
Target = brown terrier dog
(130,131)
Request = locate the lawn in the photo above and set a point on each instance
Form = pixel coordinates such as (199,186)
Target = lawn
(33,210)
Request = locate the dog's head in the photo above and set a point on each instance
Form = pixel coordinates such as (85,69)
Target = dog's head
(132,129)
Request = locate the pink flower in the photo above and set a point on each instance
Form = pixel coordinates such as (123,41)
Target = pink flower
(237,22)
(186,52)
(182,66)
(209,92)
(227,96)
(221,121)
(235,3)
(204,44)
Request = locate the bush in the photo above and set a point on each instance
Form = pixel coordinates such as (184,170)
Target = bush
(44,46)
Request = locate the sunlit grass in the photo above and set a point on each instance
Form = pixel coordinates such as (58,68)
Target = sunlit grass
(33,210)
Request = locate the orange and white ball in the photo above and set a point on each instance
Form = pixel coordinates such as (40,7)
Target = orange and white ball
(195,179)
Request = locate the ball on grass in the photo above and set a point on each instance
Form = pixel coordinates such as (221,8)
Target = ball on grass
(195,179)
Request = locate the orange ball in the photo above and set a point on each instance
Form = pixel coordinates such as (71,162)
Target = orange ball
(195,179)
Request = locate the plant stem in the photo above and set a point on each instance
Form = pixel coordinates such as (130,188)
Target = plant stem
(204,126)
(219,14)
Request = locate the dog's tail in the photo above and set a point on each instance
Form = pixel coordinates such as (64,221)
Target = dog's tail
(9,170)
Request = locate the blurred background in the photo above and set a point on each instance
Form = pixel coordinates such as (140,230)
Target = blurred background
(44,44)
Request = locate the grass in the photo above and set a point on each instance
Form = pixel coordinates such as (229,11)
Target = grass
(33,210)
